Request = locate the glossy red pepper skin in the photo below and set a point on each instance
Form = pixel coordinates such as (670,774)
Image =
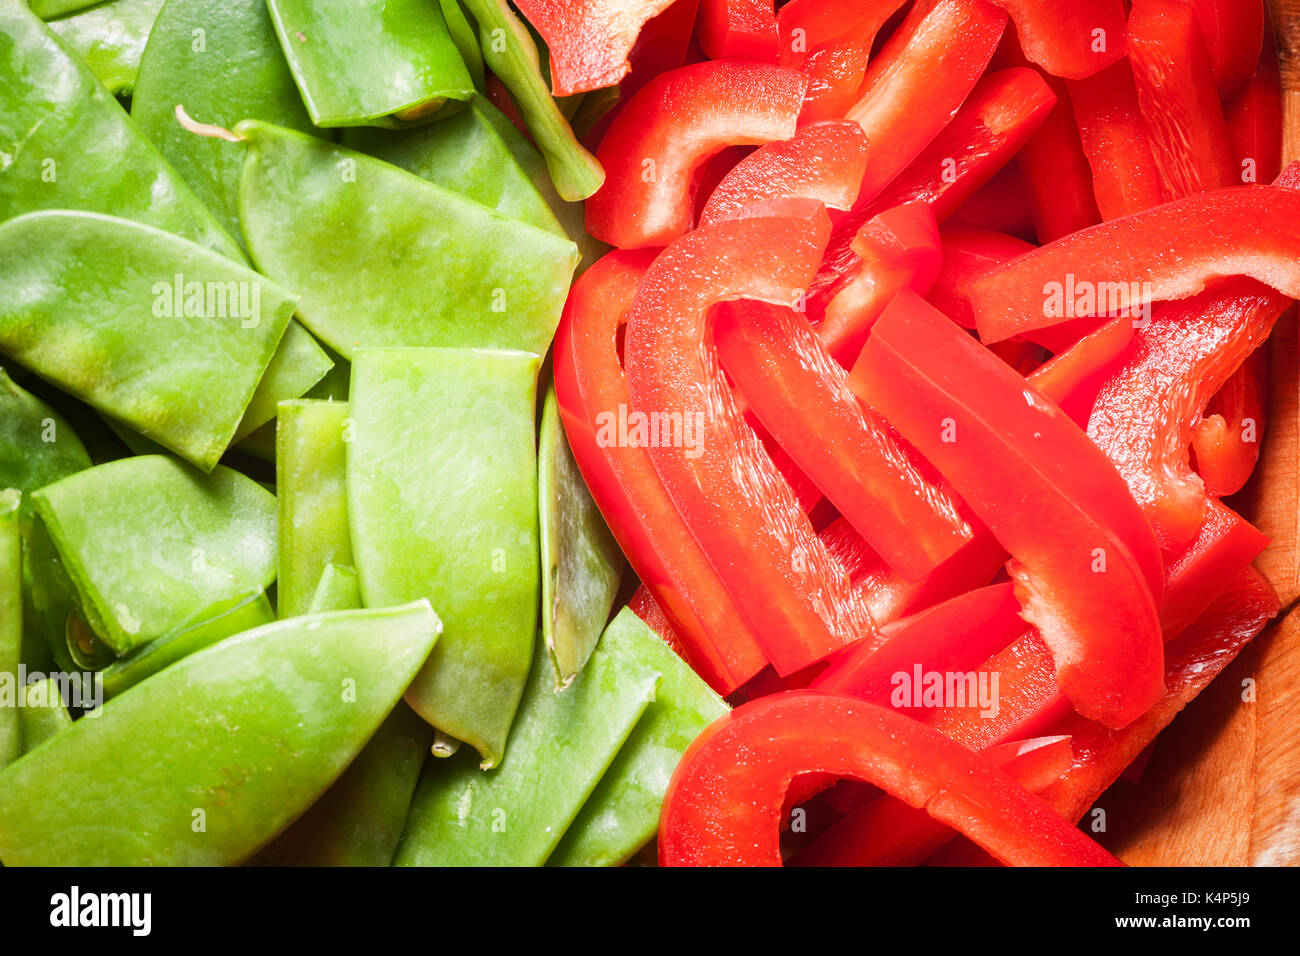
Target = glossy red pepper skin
(800,394)
(1080,371)
(1233,31)
(1115,140)
(1255,121)
(797,600)
(1196,574)
(825,162)
(1003,445)
(1226,441)
(588,40)
(590,385)
(747,759)
(658,141)
(968,253)
(1070,40)
(1179,99)
(738,29)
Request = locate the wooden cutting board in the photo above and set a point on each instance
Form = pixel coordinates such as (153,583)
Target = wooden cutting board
(1223,784)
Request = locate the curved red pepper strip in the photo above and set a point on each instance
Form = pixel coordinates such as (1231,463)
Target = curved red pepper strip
(1255,120)
(1081,370)
(1226,441)
(801,396)
(1114,138)
(1179,100)
(591,389)
(1196,574)
(1233,31)
(919,79)
(588,40)
(796,598)
(1083,558)
(1121,266)
(1071,40)
(666,132)
(746,760)
(968,253)
(825,162)
(738,29)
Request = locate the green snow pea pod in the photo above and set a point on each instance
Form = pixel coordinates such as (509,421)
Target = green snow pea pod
(622,814)
(150,542)
(370,64)
(439,270)
(311,490)
(338,589)
(111,38)
(581,561)
(44,714)
(298,365)
(465,37)
(48,9)
(442,503)
(166,336)
(11,624)
(561,746)
(66,143)
(227,617)
(256,728)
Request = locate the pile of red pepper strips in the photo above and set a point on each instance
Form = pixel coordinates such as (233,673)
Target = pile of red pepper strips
(974,340)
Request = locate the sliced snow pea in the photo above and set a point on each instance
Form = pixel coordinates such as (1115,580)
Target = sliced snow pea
(44,714)
(442,503)
(311,491)
(65,142)
(561,746)
(48,9)
(581,561)
(201,537)
(256,728)
(111,38)
(165,335)
(509,50)
(622,813)
(298,365)
(466,154)
(227,617)
(439,269)
(11,624)
(338,589)
(370,64)
(466,39)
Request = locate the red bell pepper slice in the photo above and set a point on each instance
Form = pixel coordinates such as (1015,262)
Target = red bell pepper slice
(1088,584)
(1072,40)
(1233,31)
(643,605)
(1114,138)
(659,140)
(1195,574)
(1255,120)
(748,759)
(738,29)
(1171,252)
(919,79)
(797,600)
(1080,371)
(588,40)
(968,253)
(1225,443)
(825,162)
(590,387)
(800,394)
(1177,93)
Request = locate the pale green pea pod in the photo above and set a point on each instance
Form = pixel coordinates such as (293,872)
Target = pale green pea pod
(466,39)
(298,365)
(370,64)
(442,504)
(11,624)
(581,561)
(150,542)
(44,714)
(281,711)
(311,491)
(622,814)
(439,270)
(339,588)
(561,746)
(48,9)
(172,345)
(231,616)
(111,38)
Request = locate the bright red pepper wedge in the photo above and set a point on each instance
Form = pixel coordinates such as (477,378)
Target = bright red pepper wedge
(1195,574)
(1123,265)
(919,80)
(968,253)
(1080,371)
(1233,31)
(800,394)
(1225,443)
(1072,40)
(1115,140)
(643,605)
(1179,100)
(796,598)
(747,760)
(738,29)
(660,139)
(591,389)
(588,40)
(1021,464)
(825,162)
(1255,121)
